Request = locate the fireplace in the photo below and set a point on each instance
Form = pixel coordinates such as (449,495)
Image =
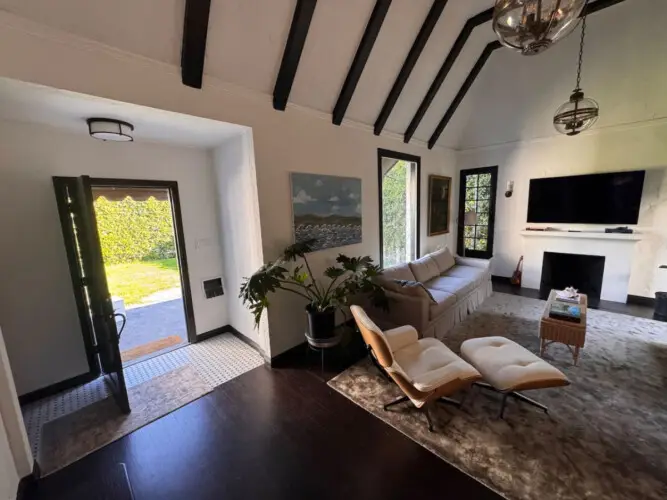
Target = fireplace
(583,272)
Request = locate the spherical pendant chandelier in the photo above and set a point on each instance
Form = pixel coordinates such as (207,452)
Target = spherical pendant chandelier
(580,112)
(532,26)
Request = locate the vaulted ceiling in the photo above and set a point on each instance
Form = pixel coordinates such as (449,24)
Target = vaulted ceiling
(400,66)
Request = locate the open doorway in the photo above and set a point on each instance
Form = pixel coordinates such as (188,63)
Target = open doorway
(399,180)
(137,227)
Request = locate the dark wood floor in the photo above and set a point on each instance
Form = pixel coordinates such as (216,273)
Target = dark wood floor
(270,433)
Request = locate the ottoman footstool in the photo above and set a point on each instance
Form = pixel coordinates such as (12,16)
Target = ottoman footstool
(509,368)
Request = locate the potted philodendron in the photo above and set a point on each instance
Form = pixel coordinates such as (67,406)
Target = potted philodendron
(350,277)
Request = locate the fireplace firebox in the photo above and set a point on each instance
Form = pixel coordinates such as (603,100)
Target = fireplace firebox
(583,272)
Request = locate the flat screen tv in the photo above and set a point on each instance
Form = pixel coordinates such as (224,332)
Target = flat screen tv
(612,198)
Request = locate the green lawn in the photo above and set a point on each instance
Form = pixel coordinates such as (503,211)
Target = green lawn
(137,280)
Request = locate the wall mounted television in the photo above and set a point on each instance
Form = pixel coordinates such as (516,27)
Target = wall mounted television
(612,198)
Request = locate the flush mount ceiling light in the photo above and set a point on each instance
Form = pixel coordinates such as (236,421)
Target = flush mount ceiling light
(108,129)
(532,26)
(579,113)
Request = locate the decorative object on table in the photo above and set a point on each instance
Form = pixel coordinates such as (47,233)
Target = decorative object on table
(439,193)
(510,189)
(566,312)
(579,113)
(518,273)
(327,209)
(350,277)
(563,331)
(570,294)
(469,219)
(532,26)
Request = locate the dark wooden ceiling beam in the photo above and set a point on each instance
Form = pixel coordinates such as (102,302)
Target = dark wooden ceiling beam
(591,8)
(409,63)
(193,49)
(303,14)
(488,50)
(456,49)
(360,59)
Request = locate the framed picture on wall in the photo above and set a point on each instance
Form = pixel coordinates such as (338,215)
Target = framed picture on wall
(439,193)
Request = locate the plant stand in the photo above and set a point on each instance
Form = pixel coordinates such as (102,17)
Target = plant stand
(322,345)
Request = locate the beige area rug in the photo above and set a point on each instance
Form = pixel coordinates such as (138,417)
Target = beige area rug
(605,436)
(78,434)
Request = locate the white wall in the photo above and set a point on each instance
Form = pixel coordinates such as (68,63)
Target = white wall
(315,146)
(240,230)
(515,97)
(618,149)
(9,479)
(296,140)
(15,457)
(37,306)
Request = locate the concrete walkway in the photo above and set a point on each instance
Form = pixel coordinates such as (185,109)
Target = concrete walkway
(153,322)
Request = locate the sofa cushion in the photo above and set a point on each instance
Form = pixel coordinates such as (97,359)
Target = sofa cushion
(399,272)
(414,289)
(444,259)
(424,269)
(443,301)
(475,274)
(458,286)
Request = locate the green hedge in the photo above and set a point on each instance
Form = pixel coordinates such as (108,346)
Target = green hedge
(131,230)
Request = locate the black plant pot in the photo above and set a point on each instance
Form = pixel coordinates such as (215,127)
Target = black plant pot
(321,324)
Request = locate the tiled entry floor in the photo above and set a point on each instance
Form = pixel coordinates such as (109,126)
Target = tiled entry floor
(217,360)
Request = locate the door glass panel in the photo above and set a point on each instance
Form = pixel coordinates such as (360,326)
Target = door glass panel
(399,211)
(477,199)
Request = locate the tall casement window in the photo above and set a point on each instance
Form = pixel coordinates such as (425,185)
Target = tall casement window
(477,210)
(399,180)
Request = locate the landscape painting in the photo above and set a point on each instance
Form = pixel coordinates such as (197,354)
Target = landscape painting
(327,208)
(439,192)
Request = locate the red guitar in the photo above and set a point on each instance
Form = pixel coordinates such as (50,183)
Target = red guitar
(516,275)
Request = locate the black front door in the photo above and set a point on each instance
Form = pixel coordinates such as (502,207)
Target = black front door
(477,212)
(75,201)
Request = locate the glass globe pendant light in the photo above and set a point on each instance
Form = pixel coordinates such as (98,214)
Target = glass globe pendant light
(532,26)
(580,112)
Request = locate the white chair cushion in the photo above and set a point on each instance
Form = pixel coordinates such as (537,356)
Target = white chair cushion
(400,337)
(424,269)
(508,366)
(429,364)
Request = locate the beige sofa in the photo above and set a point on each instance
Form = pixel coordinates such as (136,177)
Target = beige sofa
(450,288)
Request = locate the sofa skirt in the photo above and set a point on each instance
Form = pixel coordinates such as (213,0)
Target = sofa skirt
(458,313)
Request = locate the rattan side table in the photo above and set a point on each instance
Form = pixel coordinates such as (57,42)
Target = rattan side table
(573,335)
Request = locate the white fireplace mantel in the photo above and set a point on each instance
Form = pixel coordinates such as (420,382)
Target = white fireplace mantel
(617,249)
(586,235)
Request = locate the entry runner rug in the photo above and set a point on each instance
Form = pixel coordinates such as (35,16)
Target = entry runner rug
(605,435)
(78,434)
